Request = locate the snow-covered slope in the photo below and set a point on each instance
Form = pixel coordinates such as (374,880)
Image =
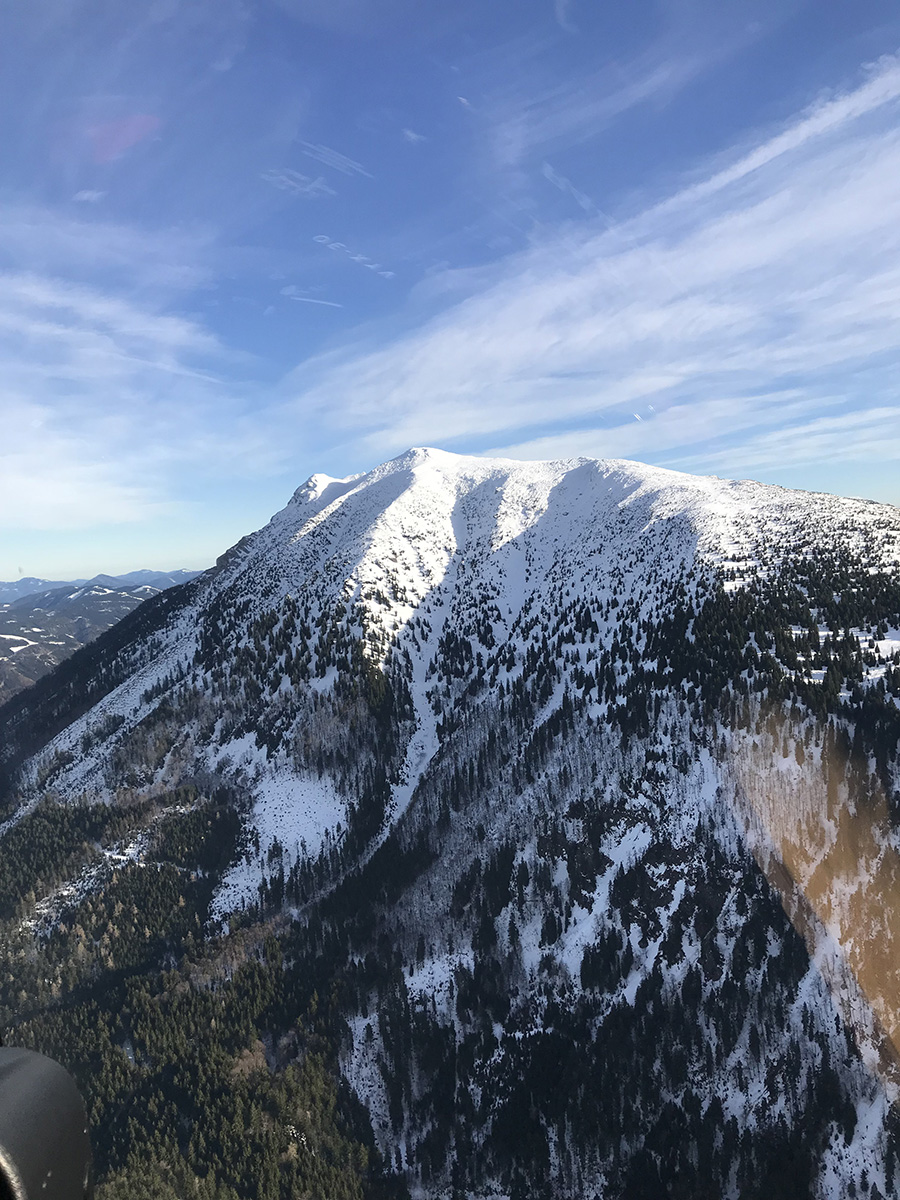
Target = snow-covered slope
(568,721)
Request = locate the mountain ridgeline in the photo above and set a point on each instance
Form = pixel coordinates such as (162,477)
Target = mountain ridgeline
(479,828)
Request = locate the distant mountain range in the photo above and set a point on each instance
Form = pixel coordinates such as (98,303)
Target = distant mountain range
(43,621)
(16,589)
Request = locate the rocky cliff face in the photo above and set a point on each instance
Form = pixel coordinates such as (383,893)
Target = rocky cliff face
(574,784)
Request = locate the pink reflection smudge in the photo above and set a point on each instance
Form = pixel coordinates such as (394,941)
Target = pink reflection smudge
(110,139)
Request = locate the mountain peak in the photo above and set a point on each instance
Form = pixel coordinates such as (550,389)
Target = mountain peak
(318,484)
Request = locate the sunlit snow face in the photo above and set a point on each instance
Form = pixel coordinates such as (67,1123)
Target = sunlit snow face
(819,824)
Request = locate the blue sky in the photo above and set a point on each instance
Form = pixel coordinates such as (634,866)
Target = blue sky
(245,240)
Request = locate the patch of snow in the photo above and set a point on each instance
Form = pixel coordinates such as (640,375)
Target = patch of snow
(297,810)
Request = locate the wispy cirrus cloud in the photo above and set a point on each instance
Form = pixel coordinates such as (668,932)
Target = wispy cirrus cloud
(868,435)
(53,477)
(530,110)
(661,435)
(37,239)
(562,10)
(73,314)
(776,275)
(105,401)
(564,114)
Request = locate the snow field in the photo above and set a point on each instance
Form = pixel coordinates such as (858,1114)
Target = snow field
(299,812)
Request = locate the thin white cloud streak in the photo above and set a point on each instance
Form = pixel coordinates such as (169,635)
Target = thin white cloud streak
(333,158)
(882,88)
(311,300)
(782,271)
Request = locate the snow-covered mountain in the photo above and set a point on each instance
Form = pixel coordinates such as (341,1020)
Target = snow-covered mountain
(15,589)
(42,622)
(582,779)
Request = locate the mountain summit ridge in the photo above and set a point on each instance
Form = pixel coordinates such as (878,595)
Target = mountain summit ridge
(432,475)
(441,526)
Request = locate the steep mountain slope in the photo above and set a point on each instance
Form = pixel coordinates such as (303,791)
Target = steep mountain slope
(43,623)
(572,784)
